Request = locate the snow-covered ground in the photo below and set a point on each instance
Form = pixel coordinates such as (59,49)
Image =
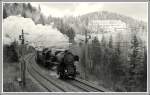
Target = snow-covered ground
(36,35)
(117,36)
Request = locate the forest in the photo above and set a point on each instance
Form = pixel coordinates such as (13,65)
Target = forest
(120,69)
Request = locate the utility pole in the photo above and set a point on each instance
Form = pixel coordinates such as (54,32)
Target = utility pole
(22,62)
(86,40)
(86,48)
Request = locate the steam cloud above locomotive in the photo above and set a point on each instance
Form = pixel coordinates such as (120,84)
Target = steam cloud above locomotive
(37,35)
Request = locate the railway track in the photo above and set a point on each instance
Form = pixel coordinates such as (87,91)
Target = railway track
(83,86)
(55,85)
(42,81)
(90,86)
(86,86)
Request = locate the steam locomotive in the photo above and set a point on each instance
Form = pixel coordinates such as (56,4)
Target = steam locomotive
(66,68)
(63,60)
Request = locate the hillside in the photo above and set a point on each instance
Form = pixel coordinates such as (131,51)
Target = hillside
(105,15)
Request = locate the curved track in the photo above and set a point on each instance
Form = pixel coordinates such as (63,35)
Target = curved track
(42,81)
(55,85)
(48,82)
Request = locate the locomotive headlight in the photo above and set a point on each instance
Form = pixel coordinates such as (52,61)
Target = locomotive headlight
(65,70)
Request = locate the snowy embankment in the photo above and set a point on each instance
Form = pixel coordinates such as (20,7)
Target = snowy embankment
(36,35)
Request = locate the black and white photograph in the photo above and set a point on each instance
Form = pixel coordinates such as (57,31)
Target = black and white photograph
(75,46)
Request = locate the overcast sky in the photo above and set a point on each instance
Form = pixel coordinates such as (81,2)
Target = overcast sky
(137,10)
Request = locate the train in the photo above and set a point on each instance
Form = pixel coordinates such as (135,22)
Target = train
(45,58)
(63,60)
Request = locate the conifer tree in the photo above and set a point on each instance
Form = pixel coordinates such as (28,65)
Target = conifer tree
(96,54)
(135,64)
(110,42)
(4,13)
(103,41)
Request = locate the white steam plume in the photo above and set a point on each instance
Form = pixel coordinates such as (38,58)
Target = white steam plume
(38,35)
